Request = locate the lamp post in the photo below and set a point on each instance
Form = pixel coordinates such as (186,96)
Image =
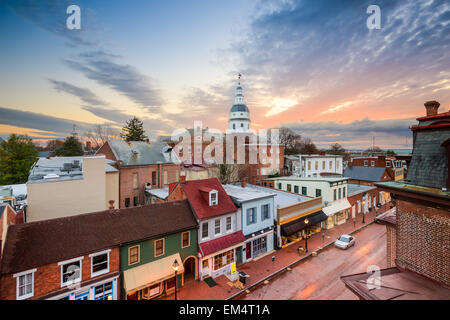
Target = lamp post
(306,221)
(175,268)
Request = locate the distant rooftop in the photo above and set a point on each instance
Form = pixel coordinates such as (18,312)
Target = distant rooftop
(357,188)
(161,193)
(436,192)
(61,169)
(295,178)
(364,173)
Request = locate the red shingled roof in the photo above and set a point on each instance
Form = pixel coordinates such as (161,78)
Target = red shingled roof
(195,193)
(221,243)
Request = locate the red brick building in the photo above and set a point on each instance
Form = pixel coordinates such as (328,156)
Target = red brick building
(141,165)
(419,234)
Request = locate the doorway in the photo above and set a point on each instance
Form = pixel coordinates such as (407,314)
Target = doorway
(189,269)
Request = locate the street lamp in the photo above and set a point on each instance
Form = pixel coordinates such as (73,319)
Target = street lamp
(175,268)
(306,221)
(364,210)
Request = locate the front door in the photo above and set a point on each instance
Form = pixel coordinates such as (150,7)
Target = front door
(248,250)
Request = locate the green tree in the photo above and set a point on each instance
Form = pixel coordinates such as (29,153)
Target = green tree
(390,152)
(134,130)
(17,155)
(337,149)
(70,148)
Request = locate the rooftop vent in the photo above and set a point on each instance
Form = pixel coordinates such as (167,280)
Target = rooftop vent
(67,167)
(51,176)
(76,164)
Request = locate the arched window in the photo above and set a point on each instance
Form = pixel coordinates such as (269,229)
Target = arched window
(234,126)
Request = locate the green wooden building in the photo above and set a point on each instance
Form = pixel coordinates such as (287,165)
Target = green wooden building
(148,264)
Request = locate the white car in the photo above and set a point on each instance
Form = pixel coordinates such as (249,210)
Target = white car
(344,242)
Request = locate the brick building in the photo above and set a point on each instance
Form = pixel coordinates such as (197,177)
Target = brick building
(395,168)
(420,245)
(141,165)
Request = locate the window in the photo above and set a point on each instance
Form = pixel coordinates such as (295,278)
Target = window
(159,247)
(339,193)
(228,224)
(25,284)
(152,291)
(334,194)
(135,180)
(318,192)
(70,271)
(136,201)
(309,165)
(242,125)
(304,191)
(265,214)
(133,255)
(323,165)
(165,177)
(205,264)
(316,165)
(217,226)
(223,259)
(331,165)
(388,164)
(343,192)
(372,163)
(127,202)
(213,198)
(279,185)
(185,239)
(296,189)
(104,291)
(366,163)
(251,216)
(99,263)
(259,246)
(234,126)
(204,230)
(154,178)
(288,187)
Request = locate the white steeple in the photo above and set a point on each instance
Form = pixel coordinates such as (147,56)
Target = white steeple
(239,120)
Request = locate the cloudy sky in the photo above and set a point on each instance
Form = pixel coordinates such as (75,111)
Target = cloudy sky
(313,66)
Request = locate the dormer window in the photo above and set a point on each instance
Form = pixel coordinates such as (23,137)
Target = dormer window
(213,200)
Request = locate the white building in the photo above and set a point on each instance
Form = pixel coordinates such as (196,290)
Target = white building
(314,165)
(239,120)
(333,190)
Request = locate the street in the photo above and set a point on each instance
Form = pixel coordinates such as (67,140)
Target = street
(319,277)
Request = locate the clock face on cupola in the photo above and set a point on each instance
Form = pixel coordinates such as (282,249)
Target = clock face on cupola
(239,120)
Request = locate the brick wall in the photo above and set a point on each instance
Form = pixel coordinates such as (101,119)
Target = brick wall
(423,240)
(391,245)
(144,175)
(47,279)
(106,150)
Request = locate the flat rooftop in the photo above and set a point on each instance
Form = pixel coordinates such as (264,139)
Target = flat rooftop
(357,188)
(53,169)
(248,193)
(282,198)
(295,178)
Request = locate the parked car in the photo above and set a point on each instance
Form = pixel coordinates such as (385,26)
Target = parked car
(344,242)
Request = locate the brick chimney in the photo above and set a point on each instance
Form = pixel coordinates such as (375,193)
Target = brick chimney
(243,183)
(147,140)
(432,107)
(182,179)
(111,204)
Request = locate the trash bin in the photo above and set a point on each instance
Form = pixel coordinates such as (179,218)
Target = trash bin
(242,277)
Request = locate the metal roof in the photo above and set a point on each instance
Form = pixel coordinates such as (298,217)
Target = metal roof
(364,173)
(245,194)
(357,188)
(135,153)
(239,108)
(282,199)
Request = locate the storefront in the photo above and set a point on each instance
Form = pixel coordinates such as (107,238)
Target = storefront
(337,213)
(258,244)
(296,230)
(153,279)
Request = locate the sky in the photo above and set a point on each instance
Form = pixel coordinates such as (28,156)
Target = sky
(313,66)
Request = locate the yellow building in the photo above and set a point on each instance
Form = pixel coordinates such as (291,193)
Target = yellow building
(65,186)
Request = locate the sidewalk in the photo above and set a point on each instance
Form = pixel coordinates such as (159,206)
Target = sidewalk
(264,267)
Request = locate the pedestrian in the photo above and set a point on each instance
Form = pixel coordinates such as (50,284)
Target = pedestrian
(323,237)
(354,223)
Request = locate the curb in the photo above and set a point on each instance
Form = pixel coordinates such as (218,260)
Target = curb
(291,265)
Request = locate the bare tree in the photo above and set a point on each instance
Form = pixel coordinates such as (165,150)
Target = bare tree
(99,134)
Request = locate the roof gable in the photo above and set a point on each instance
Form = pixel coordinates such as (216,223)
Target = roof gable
(195,192)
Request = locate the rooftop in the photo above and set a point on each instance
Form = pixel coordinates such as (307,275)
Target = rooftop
(402,186)
(395,285)
(390,216)
(282,198)
(74,236)
(162,193)
(248,193)
(357,188)
(295,178)
(134,153)
(364,173)
(62,169)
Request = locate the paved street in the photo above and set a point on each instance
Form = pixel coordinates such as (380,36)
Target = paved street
(319,277)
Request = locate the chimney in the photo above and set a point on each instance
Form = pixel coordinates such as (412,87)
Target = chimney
(147,140)
(182,179)
(88,146)
(111,204)
(432,107)
(243,183)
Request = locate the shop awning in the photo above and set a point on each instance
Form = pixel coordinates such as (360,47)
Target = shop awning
(336,207)
(299,224)
(150,273)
